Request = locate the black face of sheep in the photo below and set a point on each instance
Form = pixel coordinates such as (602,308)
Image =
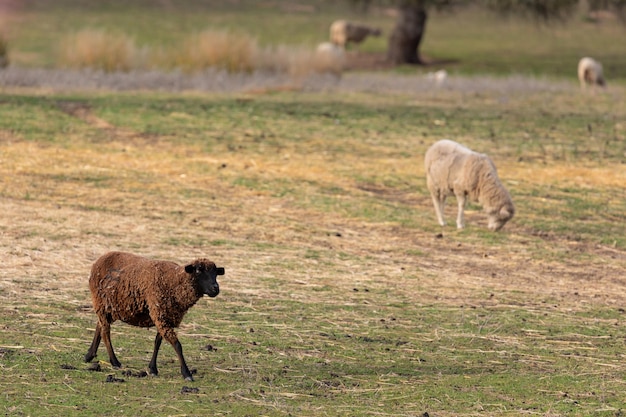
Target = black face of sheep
(206,276)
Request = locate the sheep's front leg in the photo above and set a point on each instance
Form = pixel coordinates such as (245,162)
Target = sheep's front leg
(170,336)
(93,349)
(460,217)
(183,366)
(153,362)
(439,201)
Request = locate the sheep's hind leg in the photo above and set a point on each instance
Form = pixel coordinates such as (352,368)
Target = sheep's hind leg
(460,218)
(106,336)
(153,362)
(93,349)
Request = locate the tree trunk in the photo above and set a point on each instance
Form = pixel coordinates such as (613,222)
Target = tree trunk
(407,35)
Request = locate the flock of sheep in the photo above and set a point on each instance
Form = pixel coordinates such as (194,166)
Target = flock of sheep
(150,293)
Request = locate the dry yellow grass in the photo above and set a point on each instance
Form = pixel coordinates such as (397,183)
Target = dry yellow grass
(219,49)
(98,49)
(216,49)
(569,174)
(70,214)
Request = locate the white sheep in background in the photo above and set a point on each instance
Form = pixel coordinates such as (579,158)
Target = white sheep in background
(343,32)
(330,58)
(438,77)
(453,169)
(590,72)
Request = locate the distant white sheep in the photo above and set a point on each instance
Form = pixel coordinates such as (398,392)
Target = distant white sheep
(590,72)
(438,77)
(453,169)
(330,58)
(343,32)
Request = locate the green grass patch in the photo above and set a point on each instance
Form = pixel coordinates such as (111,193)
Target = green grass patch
(263,358)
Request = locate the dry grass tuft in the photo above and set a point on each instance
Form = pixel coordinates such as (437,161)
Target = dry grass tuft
(241,53)
(214,49)
(224,50)
(98,49)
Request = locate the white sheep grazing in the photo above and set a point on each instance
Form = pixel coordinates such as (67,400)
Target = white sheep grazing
(330,58)
(453,169)
(343,32)
(438,77)
(590,72)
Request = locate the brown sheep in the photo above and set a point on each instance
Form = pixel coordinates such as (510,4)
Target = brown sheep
(145,293)
(453,169)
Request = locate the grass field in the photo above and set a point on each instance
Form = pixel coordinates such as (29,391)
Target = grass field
(339,298)
(342,295)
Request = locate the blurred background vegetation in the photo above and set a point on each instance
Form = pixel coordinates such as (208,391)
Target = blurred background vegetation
(141,34)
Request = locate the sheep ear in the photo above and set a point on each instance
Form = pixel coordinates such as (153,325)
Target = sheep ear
(219,271)
(190,269)
(504,212)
